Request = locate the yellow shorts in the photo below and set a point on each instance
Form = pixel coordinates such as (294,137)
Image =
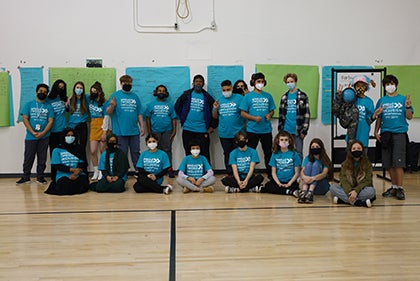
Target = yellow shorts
(96,129)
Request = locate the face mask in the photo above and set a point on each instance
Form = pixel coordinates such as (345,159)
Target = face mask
(290,86)
(161,96)
(227,94)
(259,86)
(241,143)
(390,89)
(316,151)
(41,96)
(356,153)
(239,91)
(78,91)
(127,87)
(94,96)
(360,90)
(152,145)
(69,139)
(198,88)
(195,152)
(284,144)
(111,146)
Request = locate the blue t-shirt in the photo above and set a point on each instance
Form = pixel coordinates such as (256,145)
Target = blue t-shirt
(161,114)
(258,105)
(285,163)
(366,109)
(38,114)
(77,117)
(290,124)
(59,108)
(230,119)
(393,116)
(195,121)
(243,160)
(154,162)
(126,112)
(194,167)
(95,110)
(102,161)
(62,156)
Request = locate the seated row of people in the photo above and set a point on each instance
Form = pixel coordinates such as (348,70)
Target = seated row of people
(196,175)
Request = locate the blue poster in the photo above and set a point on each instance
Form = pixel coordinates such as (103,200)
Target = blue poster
(216,74)
(30,77)
(145,79)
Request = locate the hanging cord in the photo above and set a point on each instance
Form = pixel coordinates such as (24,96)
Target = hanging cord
(187,10)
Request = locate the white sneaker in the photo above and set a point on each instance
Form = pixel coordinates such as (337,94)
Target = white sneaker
(167,189)
(368,203)
(256,189)
(230,189)
(99,175)
(335,200)
(95,175)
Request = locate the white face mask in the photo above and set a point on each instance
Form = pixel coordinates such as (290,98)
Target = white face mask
(290,85)
(227,94)
(195,152)
(70,139)
(390,89)
(259,86)
(152,145)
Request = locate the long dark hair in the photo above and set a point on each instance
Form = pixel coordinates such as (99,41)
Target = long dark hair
(323,157)
(349,162)
(101,96)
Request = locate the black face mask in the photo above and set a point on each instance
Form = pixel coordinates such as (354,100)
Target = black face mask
(357,153)
(112,146)
(161,96)
(94,96)
(239,91)
(316,151)
(127,87)
(41,96)
(241,143)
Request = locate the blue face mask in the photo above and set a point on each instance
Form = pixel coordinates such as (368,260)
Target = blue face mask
(290,86)
(78,91)
(70,139)
(198,88)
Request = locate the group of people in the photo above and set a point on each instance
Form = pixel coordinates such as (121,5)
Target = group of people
(243,119)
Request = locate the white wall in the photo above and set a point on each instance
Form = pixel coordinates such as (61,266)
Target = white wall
(53,33)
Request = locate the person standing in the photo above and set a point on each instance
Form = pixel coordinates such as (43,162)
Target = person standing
(394,111)
(125,109)
(194,109)
(226,109)
(38,118)
(257,108)
(294,114)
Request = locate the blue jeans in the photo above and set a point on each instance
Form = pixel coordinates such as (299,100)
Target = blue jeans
(366,193)
(132,142)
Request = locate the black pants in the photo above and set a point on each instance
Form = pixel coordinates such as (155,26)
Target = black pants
(104,186)
(203,139)
(272,187)
(39,149)
(228,146)
(254,181)
(266,145)
(82,131)
(144,184)
(66,186)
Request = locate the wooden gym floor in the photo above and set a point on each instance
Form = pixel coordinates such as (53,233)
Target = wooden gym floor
(196,236)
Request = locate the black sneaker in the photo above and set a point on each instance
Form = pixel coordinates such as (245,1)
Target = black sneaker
(390,192)
(400,194)
(23,180)
(41,180)
(302,194)
(363,203)
(309,197)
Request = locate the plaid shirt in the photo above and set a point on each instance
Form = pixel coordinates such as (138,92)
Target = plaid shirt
(302,113)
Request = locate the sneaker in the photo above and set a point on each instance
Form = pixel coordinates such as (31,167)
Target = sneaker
(301,196)
(41,180)
(136,174)
(337,200)
(23,180)
(95,175)
(390,192)
(167,189)
(400,193)
(363,203)
(368,204)
(309,197)
(230,189)
(295,193)
(186,190)
(208,189)
(99,175)
(256,189)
